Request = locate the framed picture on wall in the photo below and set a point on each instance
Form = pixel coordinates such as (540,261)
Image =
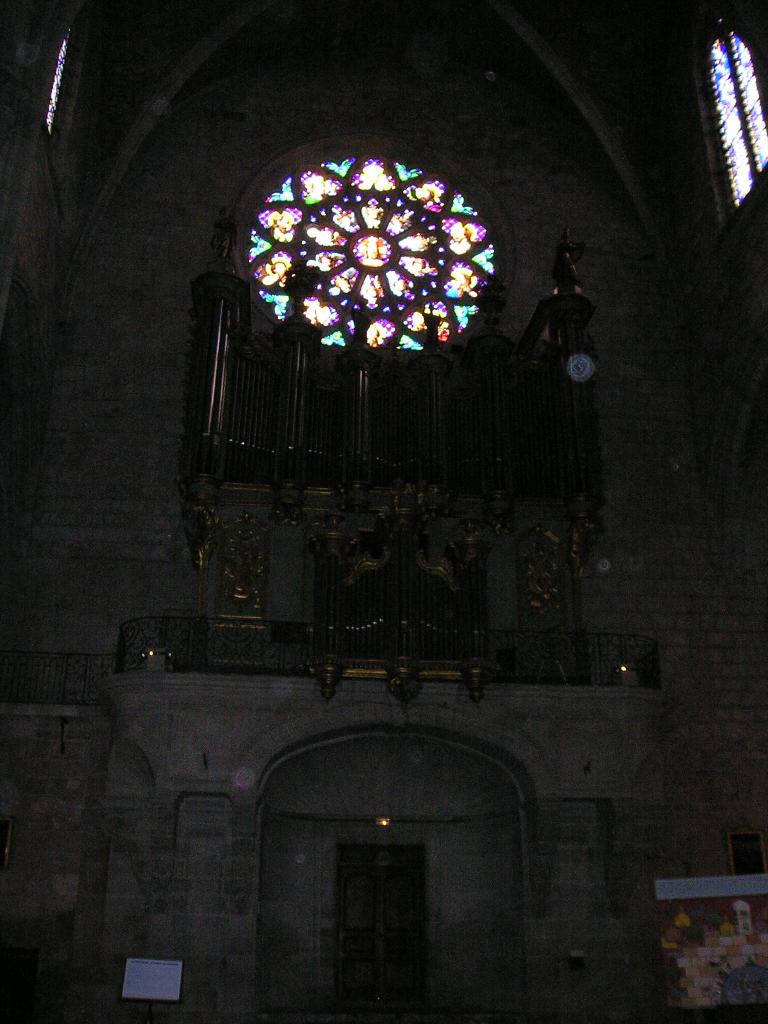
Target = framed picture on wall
(6,828)
(746,853)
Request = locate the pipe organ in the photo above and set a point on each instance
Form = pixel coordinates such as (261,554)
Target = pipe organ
(373,453)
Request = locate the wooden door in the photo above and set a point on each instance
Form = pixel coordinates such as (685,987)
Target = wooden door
(381,924)
(18,972)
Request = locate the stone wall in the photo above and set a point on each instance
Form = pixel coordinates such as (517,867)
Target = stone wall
(126,197)
(225,798)
(107,543)
(51,764)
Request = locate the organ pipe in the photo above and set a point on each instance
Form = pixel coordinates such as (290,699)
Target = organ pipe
(298,339)
(221,308)
(488,356)
(357,365)
(418,434)
(431,370)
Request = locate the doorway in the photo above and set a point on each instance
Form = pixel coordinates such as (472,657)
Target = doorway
(452,896)
(18,973)
(380,956)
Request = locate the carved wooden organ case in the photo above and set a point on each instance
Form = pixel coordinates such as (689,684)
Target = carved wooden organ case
(433,496)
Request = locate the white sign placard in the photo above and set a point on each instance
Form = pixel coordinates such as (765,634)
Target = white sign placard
(710,885)
(152,981)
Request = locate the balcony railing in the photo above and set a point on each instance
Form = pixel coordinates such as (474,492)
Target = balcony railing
(285,648)
(177,644)
(31,677)
(575,659)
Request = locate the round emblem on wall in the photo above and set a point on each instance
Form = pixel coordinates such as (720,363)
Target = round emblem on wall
(580,367)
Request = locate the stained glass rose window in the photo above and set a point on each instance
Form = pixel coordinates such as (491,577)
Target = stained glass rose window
(392,241)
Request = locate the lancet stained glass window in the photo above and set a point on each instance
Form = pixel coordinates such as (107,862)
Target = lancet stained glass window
(740,114)
(56,86)
(388,240)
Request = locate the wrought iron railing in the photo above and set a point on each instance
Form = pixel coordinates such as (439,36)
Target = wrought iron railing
(177,644)
(575,659)
(180,644)
(32,677)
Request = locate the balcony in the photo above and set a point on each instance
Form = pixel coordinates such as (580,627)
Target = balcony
(178,644)
(34,677)
(575,659)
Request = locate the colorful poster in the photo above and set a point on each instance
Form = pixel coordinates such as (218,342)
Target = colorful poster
(714,939)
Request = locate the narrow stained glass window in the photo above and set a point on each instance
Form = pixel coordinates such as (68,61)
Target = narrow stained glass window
(753,110)
(743,133)
(56,86)
(393,247)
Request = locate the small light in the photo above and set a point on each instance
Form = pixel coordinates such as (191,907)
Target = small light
(383,822)
(151,654)
(623,668)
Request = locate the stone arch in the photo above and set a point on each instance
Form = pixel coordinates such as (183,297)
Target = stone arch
(205,47)
(512,765)
(747,377)
(30,85)
(129,772)
(751,15)
(587,106)
(527,762)
(54,20)
(460,801)
(169,87)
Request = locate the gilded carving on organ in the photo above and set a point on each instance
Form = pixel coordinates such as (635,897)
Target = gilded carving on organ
(200,522)
(243,568)
(440,567)
(582,531)
(540,573)
(224,238)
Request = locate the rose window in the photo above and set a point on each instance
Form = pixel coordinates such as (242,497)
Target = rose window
(390,241)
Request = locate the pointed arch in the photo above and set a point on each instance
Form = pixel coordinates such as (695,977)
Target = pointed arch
(172,83)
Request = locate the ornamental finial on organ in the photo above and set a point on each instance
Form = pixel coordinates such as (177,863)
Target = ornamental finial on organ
(223,241)
(492,299)
(300,282)
(567,255)
(361,322)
